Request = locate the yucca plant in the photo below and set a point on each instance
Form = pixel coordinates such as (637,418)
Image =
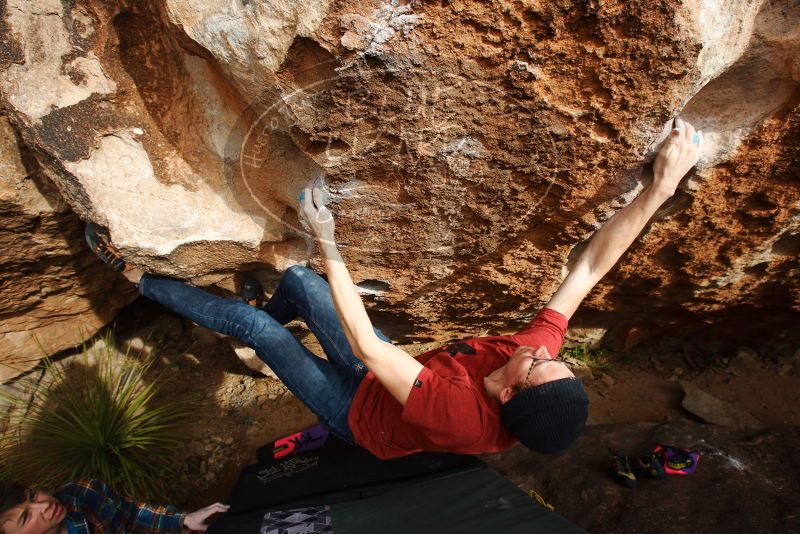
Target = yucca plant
(98,418)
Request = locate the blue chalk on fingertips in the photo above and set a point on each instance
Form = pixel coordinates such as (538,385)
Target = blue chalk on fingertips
(302,195)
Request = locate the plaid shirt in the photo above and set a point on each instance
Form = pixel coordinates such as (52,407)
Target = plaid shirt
(94,509)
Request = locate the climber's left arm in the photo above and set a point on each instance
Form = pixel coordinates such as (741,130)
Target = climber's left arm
(396,369)
(676,157)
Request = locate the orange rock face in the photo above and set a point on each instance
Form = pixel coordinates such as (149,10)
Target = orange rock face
(470,147)
(55,293)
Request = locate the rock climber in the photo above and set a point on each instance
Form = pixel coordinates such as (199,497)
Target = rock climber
(475,396)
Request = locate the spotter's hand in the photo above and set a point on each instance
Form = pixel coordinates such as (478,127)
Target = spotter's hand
(196,520)
(678,154)
(318,216)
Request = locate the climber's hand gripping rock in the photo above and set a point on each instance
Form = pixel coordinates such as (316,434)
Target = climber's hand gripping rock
(678,154)
(318,216)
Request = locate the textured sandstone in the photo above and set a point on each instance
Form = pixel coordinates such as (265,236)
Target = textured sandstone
(714,410)
(471,147)
(54,292)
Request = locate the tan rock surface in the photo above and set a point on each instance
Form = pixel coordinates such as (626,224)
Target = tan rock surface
(54,292)
(470,147)
(716,411)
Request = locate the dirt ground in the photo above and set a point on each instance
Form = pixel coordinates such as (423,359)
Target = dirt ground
(644,385)
(236,410)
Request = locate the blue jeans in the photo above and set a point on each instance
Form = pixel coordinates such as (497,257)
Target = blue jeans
(326,387)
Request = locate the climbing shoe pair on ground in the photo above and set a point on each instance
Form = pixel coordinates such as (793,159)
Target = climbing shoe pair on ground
(100,243)
(659,462)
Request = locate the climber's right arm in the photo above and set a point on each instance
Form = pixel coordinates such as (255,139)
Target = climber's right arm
(396,369)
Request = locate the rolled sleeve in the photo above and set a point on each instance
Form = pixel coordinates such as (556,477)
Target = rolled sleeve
(548,328)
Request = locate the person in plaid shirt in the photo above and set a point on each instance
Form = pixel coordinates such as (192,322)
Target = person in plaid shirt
(89,506)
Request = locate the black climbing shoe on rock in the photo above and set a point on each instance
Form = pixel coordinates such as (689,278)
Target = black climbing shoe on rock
(100,243)
(651,465)
(622,469)
(252,292)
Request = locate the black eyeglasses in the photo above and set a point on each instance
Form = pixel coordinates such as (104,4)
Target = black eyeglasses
(534,360)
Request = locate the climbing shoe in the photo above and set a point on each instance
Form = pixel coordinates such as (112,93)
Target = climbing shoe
(252,292)
(677,461)
(100,243)
(621,469)
(650,464)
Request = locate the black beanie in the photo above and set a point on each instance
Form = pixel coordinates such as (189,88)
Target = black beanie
(549,417)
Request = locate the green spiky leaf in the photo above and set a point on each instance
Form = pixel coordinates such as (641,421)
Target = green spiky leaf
(98,418)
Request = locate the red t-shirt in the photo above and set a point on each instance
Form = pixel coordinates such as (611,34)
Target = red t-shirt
(448,409)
